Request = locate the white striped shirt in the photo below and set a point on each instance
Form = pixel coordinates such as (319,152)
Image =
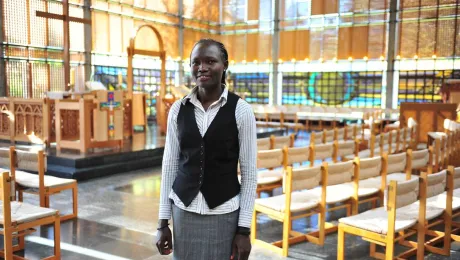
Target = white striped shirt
(248,160)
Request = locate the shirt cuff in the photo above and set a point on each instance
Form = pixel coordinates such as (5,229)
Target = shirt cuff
(165,211)
(245,219)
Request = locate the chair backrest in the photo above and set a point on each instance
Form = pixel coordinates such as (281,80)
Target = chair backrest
(4,158)
(279,142)
(263,144)
(270,159)
(328,136)
(29,161)
(344,148)
(394,138)
(436,183)
(338,173)
(5,193)
(275,115)
(351,131)
(303,177)
(406,193)
(457,178)
(419,158)
(340,133)
(369,167)
(316,138)
(322,151)
(296,155)
(397,163)
(402,139)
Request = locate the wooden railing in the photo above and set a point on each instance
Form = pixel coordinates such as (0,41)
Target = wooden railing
(33,121)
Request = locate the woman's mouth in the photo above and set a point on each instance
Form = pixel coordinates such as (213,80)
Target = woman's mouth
(204,78)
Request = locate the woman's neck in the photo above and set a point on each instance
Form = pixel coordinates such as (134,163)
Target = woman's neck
(209,95)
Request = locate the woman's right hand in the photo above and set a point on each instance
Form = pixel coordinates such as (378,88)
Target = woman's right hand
(164,241)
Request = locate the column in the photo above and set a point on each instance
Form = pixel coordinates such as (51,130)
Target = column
(181,42)
(275,97)
(88,39)
(2,61)
(390,91)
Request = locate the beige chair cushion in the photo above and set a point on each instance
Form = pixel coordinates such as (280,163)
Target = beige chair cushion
(439,201)
(323,151)
(23,212)
(305,177)
(376,220)
(406,193)
(346,148)
(340,172)
(263,144)
(297,155)
(268,177)
(270,158)
(293,125)
(361,154)
(436,183)
(300,201)
(273,124)
(370,167)
(5,157)
(334,193)
(365,188)
(281,141)
(30,180)
(420,159)
(412,211)
(397,162)
(457,178)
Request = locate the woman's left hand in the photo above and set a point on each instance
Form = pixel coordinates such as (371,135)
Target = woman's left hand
(241,247)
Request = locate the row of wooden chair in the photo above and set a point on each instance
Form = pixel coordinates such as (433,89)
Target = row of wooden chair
(412,207)
(316,187)
(18,176)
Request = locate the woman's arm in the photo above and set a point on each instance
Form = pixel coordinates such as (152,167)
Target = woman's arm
(248,161)
(170,162)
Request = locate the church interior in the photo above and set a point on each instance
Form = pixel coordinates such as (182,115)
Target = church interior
(356,106)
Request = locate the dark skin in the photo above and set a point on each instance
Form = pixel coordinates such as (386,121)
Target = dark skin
(207,66)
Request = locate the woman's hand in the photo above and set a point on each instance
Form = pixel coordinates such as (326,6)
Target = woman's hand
(241,247)
(164,241)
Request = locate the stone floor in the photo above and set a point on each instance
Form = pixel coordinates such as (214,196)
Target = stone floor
(118,216)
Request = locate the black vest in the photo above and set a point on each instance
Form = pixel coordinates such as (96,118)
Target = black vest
(208,164)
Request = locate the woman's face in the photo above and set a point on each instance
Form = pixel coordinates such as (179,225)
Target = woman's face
(207,65)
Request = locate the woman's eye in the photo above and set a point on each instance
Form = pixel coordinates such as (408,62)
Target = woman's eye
(211,61)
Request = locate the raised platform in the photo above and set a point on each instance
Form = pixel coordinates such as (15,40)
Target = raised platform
(143,151)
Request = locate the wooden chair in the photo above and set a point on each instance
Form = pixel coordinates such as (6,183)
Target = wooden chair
(296,155)
(272,163)
(40,184)
(351,132)
(18,220)
(420,160)
(264,144)
(439,198)
(294,204)
(385,225)
(340,134)
(279,142)
(369,181)
(329,136)
(316,138)
(321,152)
(344,149)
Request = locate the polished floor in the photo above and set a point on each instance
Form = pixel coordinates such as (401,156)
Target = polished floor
(118,216)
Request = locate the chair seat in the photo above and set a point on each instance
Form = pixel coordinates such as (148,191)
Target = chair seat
(376,220)
(29,180)
(300,201)
(334,193)
(293,124)
(365,187)
(269,177)
(273,124)
(439,201)
(23,212)
(432,211)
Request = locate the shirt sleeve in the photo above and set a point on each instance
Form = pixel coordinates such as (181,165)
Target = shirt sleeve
(170,162)
(248,161)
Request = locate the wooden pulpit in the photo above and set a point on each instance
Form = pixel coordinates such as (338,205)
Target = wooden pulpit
(108,115)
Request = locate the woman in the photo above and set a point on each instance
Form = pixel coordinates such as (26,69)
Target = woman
(209,132)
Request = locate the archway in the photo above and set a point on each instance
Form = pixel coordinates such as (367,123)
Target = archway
(161,53)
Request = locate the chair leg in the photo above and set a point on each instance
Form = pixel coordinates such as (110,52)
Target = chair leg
(75,200)
(286,229)
(47,201)
(340,244)
(20,195)
(8,243)
(254,227)
(21,242)
(372,249)
(57,237)
(389,251)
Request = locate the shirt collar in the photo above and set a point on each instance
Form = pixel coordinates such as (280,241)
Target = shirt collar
(193,97)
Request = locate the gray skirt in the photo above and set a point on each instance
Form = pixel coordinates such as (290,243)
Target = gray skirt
(203,237)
